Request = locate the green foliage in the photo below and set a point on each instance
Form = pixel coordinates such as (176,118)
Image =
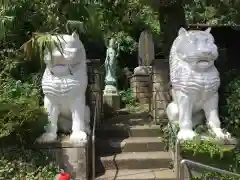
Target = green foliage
(28,164)
(206,152)
(209,153)
(27,25)
(206,175)
(22,121)
(212,12)
(170,135)
(20,110)
(230,101)
(197,146)
(39,43)
(103,19)
(127,97)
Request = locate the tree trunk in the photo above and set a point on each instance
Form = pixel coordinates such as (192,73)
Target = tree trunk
(171,18)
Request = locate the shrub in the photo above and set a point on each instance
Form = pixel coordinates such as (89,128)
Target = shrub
(230,101)
(127,97)
(21,122)
(20,112)
(26,164)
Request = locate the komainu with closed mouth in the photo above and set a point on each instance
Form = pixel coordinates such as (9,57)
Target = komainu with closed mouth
(64,85)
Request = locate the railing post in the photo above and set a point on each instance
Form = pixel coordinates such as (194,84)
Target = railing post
(96,111)
(177,158)
(93,158)
(181,168)
(205,167)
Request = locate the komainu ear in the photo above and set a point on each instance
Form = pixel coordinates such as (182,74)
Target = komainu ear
(182,31)
(75,35)
(208,30)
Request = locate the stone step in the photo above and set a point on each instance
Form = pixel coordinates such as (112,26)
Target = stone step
(138,174)
(130,119)
(124,131)
(131,144)
(137,160)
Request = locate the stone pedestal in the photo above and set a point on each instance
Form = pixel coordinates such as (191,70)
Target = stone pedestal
(140,83)
(160,88)
(143,70)
(70,157)
(111,98)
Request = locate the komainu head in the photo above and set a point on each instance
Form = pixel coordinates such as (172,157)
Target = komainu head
(195,47)
(66,50)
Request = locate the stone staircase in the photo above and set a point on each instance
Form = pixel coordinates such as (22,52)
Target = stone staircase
(130,148)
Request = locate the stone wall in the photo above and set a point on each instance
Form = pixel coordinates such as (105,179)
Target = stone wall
(160,88)
(140,85)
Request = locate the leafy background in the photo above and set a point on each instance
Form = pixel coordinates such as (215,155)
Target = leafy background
(30,21)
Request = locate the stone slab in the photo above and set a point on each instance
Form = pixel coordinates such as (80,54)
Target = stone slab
(122,131)
(144,100)
(141,95)
(141,89)
(140,84)
(139,78)
(137,160)
(131,144)
(138,174)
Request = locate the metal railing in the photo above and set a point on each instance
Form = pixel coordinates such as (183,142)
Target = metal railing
(203,166)
(93,144)
(96,111)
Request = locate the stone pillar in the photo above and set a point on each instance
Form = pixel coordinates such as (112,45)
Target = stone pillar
(140,84)
(160,88)
(95,86)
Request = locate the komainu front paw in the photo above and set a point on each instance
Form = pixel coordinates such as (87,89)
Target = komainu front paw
(186,135)
(47,137)
(78,137)
(218,132)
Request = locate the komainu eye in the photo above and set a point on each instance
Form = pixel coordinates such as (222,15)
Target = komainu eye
(194,40)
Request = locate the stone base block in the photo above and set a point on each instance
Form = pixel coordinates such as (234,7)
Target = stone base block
(140,84)
(70,157)
(112,101)
(143,70)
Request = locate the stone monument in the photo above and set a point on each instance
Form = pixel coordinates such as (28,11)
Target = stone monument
(195,82)
(140,80)
(146,53)
(111,96)
(64,84)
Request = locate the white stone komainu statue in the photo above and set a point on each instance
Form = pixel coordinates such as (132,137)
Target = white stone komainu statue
(64,84)
(195,82)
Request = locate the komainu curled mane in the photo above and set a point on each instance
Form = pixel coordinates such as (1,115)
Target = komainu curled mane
(195,82)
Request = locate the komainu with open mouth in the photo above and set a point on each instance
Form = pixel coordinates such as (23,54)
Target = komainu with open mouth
(64,85)
(195,82)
